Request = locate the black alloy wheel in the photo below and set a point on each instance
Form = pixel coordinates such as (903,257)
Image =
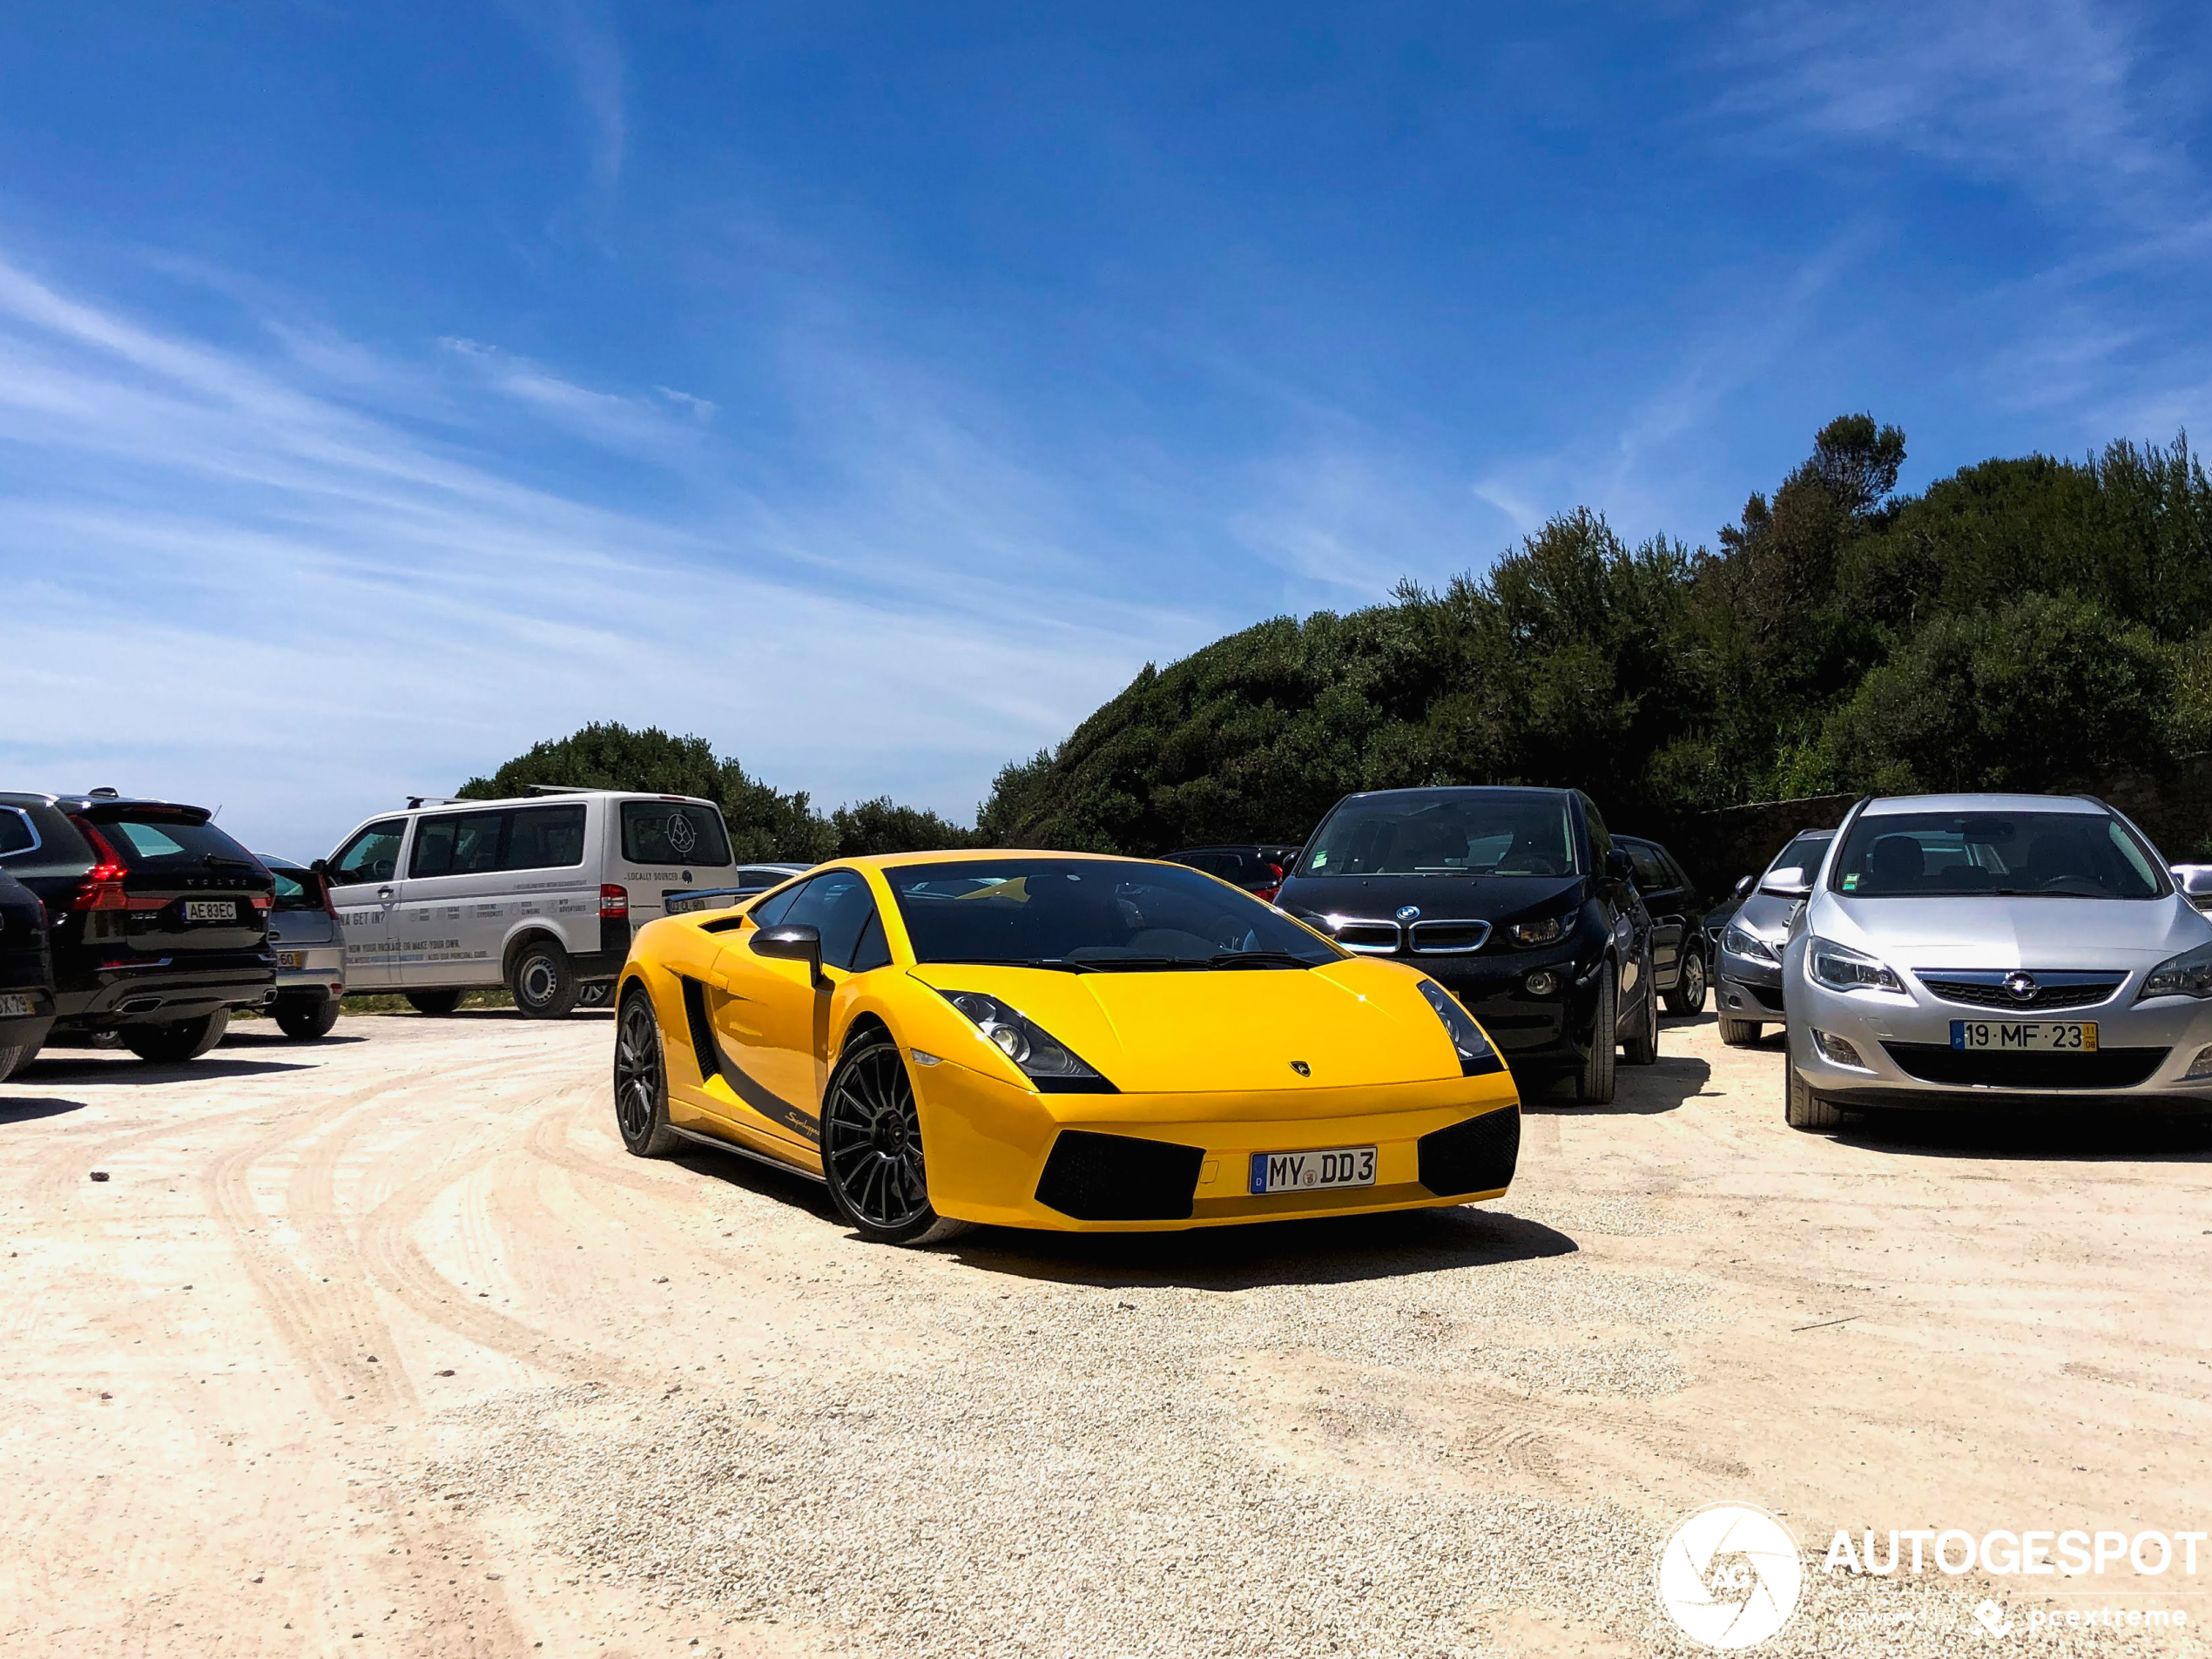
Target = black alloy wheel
(1689,995)
(871,1156)
(641,1080)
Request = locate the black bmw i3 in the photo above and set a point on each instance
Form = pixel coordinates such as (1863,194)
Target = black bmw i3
(1516,900)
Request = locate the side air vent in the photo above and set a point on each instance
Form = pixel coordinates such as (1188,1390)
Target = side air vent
(1119,1178)
(1478,1156)
(703,1045)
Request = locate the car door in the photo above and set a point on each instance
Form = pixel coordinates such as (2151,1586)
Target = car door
(1664,898)
(449,919)
(771,1021)
(1624,915)
(364,878)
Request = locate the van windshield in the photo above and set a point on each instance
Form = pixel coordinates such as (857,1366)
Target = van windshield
(2057,855)
(1458,832)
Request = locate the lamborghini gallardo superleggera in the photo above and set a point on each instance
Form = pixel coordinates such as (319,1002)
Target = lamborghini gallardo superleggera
(1055,1040)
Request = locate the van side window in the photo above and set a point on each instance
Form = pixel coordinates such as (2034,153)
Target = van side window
(543,838)
(372,855)
(457,844)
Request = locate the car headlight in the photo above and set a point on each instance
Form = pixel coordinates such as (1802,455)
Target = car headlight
(1549,931)
(1841,968)
(1737,942)
(1474,1050)
(2188,974)
(1043,1058)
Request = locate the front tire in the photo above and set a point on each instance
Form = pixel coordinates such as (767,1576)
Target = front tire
(1804,1109)
(1594,1077)
(543,981)
(1739,1033)
(1689,995)
(1642,1048)
(434,1002)
(305,1018)
(641,1080)
(14,1060)
(176,1041)
(871,1153)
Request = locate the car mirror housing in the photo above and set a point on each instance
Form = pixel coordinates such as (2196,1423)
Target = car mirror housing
(2195,882)
(1788,883)
(1618,866)
(793,941)
(1744,884)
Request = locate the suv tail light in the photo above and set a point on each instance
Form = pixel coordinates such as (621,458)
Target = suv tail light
(1266,894)
(614,903)
(101,886)
(329,904)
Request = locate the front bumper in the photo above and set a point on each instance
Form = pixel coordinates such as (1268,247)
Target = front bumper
(1904,1043)
(1746,987)
(1080,1162)
(1530,1031)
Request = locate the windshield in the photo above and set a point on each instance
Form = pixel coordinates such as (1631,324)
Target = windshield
(1802,854)
(2060,855)
(1096,914)
(1456,831)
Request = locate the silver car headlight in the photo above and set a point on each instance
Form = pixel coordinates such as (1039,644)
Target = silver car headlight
(1737,942)
(1473,1049)
(2188,974)
(1841,968)
(1043,1058)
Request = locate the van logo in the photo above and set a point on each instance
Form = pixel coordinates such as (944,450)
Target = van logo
(687,875)
(1409,913)
(681,835)
(1301,1067)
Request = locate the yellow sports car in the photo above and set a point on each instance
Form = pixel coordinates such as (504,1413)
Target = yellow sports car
(1055,1040)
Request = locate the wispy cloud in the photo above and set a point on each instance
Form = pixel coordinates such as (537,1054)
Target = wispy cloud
(2048,95)
(579,38)
(227,584)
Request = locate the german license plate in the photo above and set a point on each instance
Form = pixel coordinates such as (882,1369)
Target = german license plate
(13,1006)
(1341,1166)
(292,959)
(211,910)
(2025,1037)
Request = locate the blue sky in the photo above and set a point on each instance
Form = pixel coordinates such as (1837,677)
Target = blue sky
(873,390)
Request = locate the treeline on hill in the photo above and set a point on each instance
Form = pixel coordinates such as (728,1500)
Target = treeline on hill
(2032,623)
(764,824)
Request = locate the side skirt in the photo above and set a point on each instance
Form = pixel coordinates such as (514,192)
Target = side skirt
(718,1145)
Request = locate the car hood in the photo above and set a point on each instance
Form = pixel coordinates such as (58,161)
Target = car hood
(2033,933)
(1440,897)
(1358,1022)
(1763,915)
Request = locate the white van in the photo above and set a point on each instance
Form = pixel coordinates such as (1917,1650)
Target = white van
(537,894)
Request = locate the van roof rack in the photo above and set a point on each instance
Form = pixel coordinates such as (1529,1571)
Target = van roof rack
(560,789)
(414,801)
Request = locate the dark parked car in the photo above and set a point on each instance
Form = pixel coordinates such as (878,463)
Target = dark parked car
(1515,900)
(26,967)
(1679,965)
(1747,973)
(1258,870)
(159,921)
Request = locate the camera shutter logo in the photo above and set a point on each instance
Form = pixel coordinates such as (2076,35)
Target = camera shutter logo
(1731,1576)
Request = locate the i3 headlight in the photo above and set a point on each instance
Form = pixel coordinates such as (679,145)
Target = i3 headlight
(2188,974)
(1737,942)
(1043,1059)
(1841,968)
(1549,931)
(1476,1056)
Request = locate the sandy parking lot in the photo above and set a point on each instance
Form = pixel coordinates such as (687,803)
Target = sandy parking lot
(382,1346)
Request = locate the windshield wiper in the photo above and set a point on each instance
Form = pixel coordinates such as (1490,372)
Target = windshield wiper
(1059,964)
(1259,959)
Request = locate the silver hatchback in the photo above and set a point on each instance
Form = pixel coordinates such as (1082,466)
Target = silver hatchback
(1983,951)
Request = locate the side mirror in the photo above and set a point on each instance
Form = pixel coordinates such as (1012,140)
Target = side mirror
(1618,866)
(794,941)
(2196,883)
(1789,882)
(1744,884)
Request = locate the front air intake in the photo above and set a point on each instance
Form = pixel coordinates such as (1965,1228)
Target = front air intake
(1477,1155)
(1119,1178)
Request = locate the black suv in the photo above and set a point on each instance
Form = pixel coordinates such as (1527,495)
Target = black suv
(159,921)
(26,973)
(1515,900)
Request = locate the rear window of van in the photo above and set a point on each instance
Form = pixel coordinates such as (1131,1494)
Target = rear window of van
(672,831)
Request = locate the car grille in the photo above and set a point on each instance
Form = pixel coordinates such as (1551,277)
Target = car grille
(1769,996)
(1477,1155)
(1986,991)
(1373,937)
(1119,1178)
(1442,937)
(1939,1062)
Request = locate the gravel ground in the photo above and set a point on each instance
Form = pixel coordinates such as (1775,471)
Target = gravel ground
(382,1346)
